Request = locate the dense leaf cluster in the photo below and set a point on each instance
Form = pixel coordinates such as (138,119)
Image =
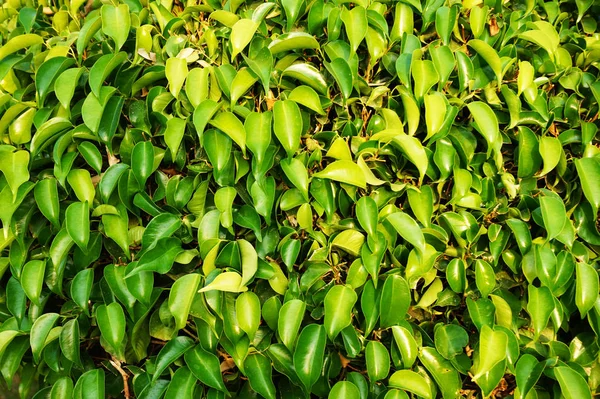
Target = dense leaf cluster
(368,199)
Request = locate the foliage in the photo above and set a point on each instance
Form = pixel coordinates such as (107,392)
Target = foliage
(272,199)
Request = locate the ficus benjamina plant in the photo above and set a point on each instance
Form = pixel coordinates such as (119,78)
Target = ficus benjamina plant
(376,199)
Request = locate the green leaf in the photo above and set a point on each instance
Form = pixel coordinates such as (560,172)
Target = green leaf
(259,371)
(229,124)
(408,229)
(305,95)
(288,324)
(492,350)
(544,36)
(554,215)
(307,74)
(367,214)
(485,278)
(62,388)
(338,303)
(247,307)
(70,341)
(424,75)
(81,287)
(77,222)
(341,72)
(344,390)
(14,166)
(65,85)
(174,135)
(309,354)
(88,30)
(243,81)
(182,385)
(249,261)
(46,198)
(159,259)
(6,337)
(395,301)
(241,35)
(176,71)
(81,183)
(32,279)
(406,344)
(227,282)
(102,68)
(115,23)
(293,41)
(378,361)
(292,9)
(111,321)
(540,305)
(287,124)
(259,125)
(142,161)
(551,151)
(588,170)
(196,85)
(450,340)
(572,384)
(205,366)
(444,373)
(350,241)
(343,171)
(445,19)
(529,155)
(412,382)
(172,351)
(19,42)
(586,288)
(90,385)
(47,75)
(487,125)
(356,24)
(296,172)
(528,372)
(414,151)
(490,56)
(39,333)
(92,155)
(181,296)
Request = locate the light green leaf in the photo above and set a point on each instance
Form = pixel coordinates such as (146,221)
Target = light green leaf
(229,124)
(412,382)
(554,215)
(572,384)
(77,222)
(174,135)
(176,71)
(408,229)
(338,303)
(490,56)
(344,171)
(228,282)
(287,124)
(181,296)
(242,33)
(115,23)
(586,288)
(492,350)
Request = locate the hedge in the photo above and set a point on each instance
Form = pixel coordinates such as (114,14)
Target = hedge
(300,198)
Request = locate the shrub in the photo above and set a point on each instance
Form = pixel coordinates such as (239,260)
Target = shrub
(250,199)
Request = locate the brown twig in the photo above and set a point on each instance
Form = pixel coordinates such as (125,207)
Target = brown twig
(117,365)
